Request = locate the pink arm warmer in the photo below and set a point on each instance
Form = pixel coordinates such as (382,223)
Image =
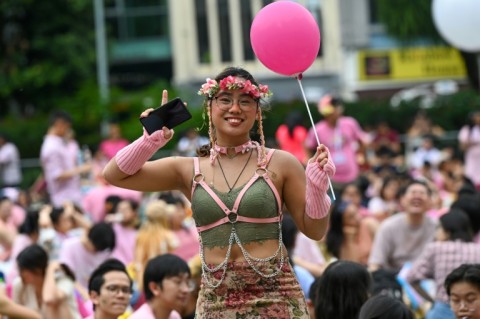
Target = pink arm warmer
(317,200)
(131,158)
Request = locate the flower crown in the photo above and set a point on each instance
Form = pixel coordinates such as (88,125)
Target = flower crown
(211,87)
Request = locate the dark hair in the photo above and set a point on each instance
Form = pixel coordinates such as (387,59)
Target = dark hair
(289,232)
(59,115)
(161,267)
(204,150)
(343,288)
(469,273)
(171,198)
(386,182)
(470,119)
(384,282)
(133,203)
(236,71)
(470,205)
(33,258)
(30,223)
(96,280)
(312,293)
(55,214)
(336,101)
(384,307)
(102,236)
(335,235)
(457,224)
(412,182)
(467,188)
(112,200)
(292,120)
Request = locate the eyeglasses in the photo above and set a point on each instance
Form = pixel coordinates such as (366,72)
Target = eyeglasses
(463,303)
(246,103)
(188,283)
(114,289)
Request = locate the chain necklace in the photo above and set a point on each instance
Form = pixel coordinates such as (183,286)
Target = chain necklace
(225,177)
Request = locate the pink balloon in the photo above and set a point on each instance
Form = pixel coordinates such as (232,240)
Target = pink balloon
(285,37)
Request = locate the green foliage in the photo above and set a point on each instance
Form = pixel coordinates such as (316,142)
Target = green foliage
(48,51)
(450,112)
(408,20)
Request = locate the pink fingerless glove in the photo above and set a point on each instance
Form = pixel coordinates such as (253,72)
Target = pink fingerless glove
(317,200)
(132,157)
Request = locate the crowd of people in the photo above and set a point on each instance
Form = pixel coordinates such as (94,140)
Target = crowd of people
(231,227)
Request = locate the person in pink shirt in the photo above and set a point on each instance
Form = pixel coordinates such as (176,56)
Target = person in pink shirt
(28,234)
(60,169)
(125,222)
(114,142)
(110,289)
(83,254)
(469,138)
(94,201)
(8,230)
(342,135)
(291,136)
(166,285)
(185,231)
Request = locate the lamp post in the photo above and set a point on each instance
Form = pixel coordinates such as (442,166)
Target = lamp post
(102,62)
(101,50)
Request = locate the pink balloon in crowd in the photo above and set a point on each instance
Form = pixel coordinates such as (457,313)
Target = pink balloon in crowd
(285,37)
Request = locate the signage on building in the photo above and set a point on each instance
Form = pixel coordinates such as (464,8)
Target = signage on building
(410,63)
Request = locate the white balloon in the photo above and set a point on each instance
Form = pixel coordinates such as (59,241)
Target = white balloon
(458,22)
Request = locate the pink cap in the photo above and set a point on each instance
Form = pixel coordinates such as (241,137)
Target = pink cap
(325,106)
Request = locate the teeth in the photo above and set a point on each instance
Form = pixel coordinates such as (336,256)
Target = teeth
(234,120)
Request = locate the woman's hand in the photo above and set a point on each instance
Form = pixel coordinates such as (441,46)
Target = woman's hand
(167,133)
(322,157)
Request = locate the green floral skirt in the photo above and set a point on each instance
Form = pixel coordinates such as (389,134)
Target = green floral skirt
(245,294)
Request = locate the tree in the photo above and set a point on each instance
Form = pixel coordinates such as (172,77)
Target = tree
(408,21)
(47,52)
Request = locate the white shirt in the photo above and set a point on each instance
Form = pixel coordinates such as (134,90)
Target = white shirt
(10,171)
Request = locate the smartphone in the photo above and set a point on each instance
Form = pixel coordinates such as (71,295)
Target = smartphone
(169,115)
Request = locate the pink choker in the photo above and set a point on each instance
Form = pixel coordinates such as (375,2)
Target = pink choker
(240,149)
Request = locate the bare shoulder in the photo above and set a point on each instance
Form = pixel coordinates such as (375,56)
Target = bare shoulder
(283,157)
(285,163)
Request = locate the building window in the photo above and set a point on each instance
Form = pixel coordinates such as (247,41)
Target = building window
(137,19)
(373,12)
(225,34)
(315,8)
(202,31)
(266,2)
(246,17)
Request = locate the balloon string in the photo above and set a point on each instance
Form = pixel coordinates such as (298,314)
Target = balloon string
(299,79)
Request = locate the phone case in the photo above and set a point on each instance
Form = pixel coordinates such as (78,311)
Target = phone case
(170,115)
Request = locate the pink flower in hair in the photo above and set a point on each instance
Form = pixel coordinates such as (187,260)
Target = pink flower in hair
(211,87)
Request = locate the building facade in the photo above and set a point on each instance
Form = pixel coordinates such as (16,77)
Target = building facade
(186,41)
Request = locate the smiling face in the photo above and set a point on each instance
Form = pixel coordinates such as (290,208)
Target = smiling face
(417,199)
(233,114)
